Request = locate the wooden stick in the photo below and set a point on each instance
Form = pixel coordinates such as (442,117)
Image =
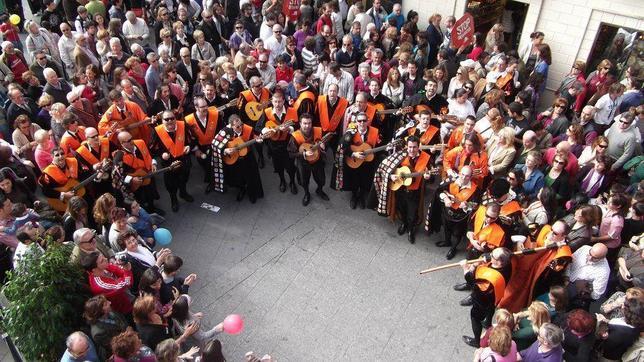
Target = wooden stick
(473,261)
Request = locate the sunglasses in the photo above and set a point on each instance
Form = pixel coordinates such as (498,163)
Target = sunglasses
(93,239)
(41,58)
(169,119)
(94,136)
(559,162)
(602,146)
(361,120)
(59,155)
(239,27)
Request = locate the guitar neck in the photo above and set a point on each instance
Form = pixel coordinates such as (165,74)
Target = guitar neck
(85,182)
(153,173)
(433,147)
(245,144)
(377,149)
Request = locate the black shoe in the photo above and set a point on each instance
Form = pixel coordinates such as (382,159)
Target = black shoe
(252,199)
(361,203)
(322,195)
(354,202)
(466,302)
(282,186)
(471,342)
(175,204)
(293,188)
(411,236)
(210,188)
(462,287)
(241,194)
(186,196)
(451,253)
(443,243)
(260,162)
(307,199)
(402,229)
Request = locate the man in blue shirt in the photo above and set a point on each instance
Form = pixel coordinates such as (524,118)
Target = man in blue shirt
(397,15)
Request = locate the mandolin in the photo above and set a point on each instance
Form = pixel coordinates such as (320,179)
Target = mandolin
(76,187)
(368,152)
(314,148)
(147,176)
(254,110)
(240,149)
(405,177)
(278,130)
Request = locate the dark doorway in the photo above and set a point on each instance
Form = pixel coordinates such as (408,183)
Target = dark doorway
(622,46)
(513,18)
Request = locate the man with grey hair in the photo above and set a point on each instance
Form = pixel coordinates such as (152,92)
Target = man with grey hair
(153,74)
(66,45)
(266,71)
(188,69)
(548,345)
(276,44)
(114,58)
(79,349)
(496,274)
(21,105)
(56,87)
(86,241)
(135,29)
(82,55)
(587,121)
(529,143)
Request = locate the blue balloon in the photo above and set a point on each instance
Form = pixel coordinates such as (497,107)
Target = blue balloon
(162,236)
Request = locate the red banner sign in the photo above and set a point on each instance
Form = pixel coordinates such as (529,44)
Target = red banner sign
(463,31)
(291,9)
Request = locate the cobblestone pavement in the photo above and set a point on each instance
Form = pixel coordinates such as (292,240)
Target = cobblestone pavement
(317,283)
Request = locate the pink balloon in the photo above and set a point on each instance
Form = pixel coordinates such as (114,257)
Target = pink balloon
(233,324)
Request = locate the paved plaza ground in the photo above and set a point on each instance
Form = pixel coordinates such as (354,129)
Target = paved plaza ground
(317,283)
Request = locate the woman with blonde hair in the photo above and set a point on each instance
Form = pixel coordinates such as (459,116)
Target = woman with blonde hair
(496,125)
(462,76)
(393,88)
(494,37)
(441,76)
(493,99)
(528,323)
(102,213)
(57,112)
(590,153)
(202,50)
(598,82)
(42,153)
(502,318)
(501,152)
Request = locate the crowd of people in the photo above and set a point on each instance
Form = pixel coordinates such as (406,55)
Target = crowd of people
(106,97)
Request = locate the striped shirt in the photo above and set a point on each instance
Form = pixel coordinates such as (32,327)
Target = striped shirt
(345,85)
(310,60)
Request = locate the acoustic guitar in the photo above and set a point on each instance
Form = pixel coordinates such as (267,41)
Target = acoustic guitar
(76,187)
(406,177)
(277,133)
(240,149)
(314,148)
(147,176)
(368,152)
(117,126)
(254,110)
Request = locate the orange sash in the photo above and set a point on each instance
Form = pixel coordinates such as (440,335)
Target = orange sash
(300,139)
(541,238)
(174,147)
(250,97)
(136,163)
(68,143)
(421,165)
(372,137)
(331,124)
(62,176)
(462,195)
(304,95)
(427,136)
(510,208)
(204,137)
(88,156)
(487,277)
(492,234)
(291,115)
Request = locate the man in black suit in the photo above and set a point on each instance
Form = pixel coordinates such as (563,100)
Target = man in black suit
(41,61)
(207,25)
(188,69)
(22,105)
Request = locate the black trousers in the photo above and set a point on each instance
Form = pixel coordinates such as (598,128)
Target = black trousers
(281,160)
(146,195)
(455,229)
(206,166)
(407,203)
(316,169)
(481,317)
(176,180)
